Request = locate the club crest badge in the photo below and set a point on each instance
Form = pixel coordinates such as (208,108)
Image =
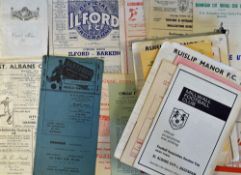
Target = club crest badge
(178,118)
(183,5)
(24,14)
(93,20)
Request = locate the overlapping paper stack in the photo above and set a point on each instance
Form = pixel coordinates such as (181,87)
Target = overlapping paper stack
(151,140)
(128,87)
(158,139)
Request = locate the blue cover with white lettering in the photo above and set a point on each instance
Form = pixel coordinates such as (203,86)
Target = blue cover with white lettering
(68,116)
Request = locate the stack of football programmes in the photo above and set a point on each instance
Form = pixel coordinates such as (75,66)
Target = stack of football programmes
(168,103)
(149,110)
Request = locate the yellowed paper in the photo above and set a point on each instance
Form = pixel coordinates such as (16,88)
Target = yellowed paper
(148,57)
(103,164)
(132,27)
(201,42)
(223,16)
(19,102)
(168,18)
(176,17)
(151,104)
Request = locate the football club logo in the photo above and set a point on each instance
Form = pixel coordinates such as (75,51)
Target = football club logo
(93,20)
(178,118)
(24,14)
(183,5)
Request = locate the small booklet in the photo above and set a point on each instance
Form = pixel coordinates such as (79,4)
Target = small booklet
(68,116)
(122,100)
(103,157)
(170,51)
(195,118)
